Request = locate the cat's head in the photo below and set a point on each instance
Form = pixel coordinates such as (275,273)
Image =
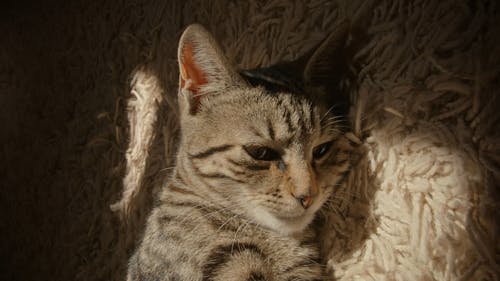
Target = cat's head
(272,158)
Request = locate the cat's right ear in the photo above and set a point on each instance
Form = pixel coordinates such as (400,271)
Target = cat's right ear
(203,69)
(325,62)
(327,66)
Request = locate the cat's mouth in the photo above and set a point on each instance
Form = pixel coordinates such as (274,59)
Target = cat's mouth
(293,212)
(284,223)
(293,224)
(296,215)
(294,218)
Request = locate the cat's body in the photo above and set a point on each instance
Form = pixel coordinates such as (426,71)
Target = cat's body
(252,170)
(187,239)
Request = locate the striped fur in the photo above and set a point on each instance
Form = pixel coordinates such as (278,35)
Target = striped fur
(225,215)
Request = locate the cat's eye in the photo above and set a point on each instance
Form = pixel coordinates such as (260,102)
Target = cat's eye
(262,153)
(320,150)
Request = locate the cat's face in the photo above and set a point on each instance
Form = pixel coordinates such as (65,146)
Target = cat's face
(270,158)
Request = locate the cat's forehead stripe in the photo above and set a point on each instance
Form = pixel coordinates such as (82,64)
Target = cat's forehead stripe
(270,129)
(256,132)
(210,151)
(297,115)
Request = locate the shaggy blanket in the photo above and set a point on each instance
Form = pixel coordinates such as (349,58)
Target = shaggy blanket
(421,203)
(417,205)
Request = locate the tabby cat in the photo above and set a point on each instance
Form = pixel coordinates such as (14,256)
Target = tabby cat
(257,159)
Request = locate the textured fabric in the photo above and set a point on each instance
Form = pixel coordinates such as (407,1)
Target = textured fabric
(421,203)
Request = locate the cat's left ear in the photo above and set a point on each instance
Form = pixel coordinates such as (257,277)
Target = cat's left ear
(203,69)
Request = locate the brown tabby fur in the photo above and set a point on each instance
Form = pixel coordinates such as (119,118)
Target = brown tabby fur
(225,215)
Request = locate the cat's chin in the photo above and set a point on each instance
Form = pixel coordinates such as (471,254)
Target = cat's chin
(282,225)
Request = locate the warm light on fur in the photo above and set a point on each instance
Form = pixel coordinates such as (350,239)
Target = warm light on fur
(418,204)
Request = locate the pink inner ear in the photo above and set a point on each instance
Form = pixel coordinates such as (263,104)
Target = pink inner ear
(191,71)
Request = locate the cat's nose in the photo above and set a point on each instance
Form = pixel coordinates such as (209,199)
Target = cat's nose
(305,200)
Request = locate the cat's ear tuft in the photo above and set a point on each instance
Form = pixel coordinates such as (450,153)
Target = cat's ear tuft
(203,69)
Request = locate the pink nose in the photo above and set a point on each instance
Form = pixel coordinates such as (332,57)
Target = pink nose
(306,201)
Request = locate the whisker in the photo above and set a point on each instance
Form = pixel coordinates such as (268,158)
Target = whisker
(167,168)
(327,112)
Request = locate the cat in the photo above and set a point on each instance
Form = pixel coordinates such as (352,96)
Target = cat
(257,159)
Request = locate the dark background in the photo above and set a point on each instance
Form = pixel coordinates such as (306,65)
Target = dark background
(64,68)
